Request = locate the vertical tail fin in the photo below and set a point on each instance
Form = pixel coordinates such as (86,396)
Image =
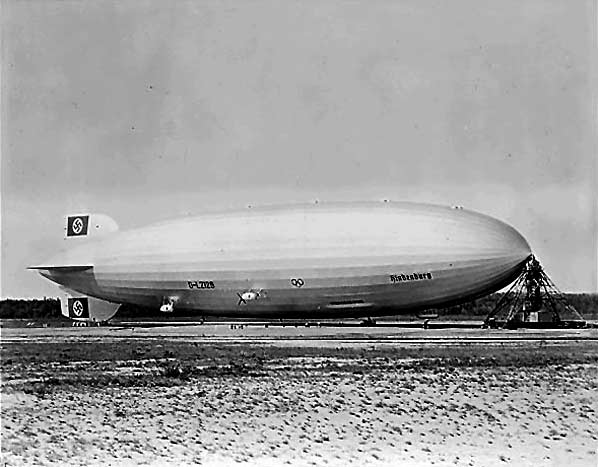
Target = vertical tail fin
(89,225)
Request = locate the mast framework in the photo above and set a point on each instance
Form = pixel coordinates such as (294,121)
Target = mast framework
(533,300)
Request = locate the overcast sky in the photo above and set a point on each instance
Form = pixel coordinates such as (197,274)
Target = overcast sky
(151,110)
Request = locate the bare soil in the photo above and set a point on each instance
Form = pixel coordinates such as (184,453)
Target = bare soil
(159,401)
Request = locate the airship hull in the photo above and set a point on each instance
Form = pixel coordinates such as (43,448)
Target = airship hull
(360,259)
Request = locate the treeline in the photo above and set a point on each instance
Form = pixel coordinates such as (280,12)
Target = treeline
(49,308)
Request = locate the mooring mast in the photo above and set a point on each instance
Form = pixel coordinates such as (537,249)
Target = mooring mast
(533,301)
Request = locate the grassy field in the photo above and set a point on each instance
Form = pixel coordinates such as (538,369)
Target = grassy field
(43,366)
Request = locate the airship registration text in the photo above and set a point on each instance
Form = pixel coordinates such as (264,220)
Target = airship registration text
(201,284)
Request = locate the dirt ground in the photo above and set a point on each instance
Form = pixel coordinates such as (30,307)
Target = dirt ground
(161,400)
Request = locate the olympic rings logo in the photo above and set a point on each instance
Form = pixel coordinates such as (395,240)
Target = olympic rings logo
(297,282)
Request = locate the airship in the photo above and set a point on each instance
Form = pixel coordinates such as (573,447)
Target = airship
(303,261)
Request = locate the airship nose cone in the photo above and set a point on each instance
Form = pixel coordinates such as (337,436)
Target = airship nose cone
(500,236)
(511,241)
(492,238)
(488,248)
(519,244)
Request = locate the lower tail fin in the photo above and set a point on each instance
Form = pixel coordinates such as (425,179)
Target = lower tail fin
(83,308)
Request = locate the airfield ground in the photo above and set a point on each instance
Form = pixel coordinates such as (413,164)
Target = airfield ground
(298,396)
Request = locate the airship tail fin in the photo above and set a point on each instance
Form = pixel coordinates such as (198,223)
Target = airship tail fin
(88,225)
(80,307)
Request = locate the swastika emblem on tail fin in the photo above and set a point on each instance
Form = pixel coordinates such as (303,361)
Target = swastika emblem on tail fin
(78,307)
(76,226)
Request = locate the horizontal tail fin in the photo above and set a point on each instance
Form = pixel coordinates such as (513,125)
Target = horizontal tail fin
(63,268)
